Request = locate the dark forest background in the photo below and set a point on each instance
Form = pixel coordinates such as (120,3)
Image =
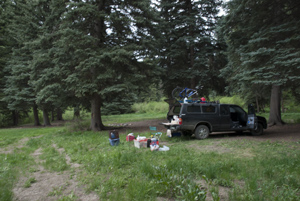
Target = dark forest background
(104,55)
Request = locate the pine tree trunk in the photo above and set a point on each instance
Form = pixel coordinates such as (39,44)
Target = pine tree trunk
(282,105)
(36,115)
(52,115)
(257,104)
(275,112)
(96,121)
(46,118)
(15,117)
(76,112)
(59,114)
(263,107)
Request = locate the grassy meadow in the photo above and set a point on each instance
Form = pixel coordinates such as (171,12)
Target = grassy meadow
(211,169)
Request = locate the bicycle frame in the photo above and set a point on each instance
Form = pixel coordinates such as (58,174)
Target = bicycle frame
(186,93)
(181,93)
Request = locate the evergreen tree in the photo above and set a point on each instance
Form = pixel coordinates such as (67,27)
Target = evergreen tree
(188,44)
(100,50)
(5,113)
(45,76)
(262,46)
(32,79)
(21,28)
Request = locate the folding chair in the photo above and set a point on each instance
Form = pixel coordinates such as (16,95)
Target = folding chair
(154,132)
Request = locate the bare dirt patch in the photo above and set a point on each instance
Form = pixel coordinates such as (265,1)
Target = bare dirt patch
(10,149)
(223,191)
(67,157)
(50,186)
(142,126)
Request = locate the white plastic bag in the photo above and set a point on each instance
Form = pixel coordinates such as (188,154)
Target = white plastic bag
(139,138)
(164,148)
(169,133)
(175,120)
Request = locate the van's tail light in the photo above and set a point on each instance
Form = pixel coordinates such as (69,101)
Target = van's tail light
(180,121)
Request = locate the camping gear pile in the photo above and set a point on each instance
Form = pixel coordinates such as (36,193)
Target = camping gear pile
(140,141)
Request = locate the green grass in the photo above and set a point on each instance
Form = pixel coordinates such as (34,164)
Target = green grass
(249,170)
(287,117)
(121,118)
(291,117)
(30,181)
(150,107)
(84,125)
(132,117)
(142,111)
(53,160)
(232,100)
(12,135)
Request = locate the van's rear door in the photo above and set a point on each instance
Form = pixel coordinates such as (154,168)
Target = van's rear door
(174,110)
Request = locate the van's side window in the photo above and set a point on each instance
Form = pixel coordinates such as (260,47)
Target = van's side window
(193,108)
(209,109)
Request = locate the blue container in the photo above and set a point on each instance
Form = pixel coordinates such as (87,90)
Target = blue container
(176,134)
(114,142)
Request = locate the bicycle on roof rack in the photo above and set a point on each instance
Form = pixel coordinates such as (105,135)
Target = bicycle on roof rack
(180,93)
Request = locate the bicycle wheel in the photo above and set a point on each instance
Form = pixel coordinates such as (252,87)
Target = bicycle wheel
(176,93)
(190,92)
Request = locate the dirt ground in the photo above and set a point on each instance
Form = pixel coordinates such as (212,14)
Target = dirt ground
(287,132)
(50,186)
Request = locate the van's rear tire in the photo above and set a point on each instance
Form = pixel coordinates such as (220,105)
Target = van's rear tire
(201,132)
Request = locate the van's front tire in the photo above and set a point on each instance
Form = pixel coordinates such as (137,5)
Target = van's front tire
(201,132)
(258,131)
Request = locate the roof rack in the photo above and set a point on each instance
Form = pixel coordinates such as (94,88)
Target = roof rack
(192,101)
(198,101)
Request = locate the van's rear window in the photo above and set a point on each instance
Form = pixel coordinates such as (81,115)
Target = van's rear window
(176,109)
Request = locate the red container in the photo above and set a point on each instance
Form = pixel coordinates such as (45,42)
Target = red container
(129,138)
(154,141)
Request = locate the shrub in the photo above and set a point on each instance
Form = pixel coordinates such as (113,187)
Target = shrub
(78,125)
(150,107)
(233,100)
